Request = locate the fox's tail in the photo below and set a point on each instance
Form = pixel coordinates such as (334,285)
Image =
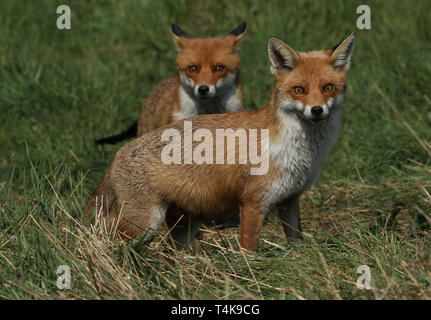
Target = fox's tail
(129,133)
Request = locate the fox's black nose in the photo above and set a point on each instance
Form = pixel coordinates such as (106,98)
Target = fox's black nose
(203,90)
(317,110)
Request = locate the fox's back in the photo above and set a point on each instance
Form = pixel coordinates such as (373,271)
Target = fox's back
(160,105)
(213,187)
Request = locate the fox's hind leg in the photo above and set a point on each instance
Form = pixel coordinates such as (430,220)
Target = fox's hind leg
(183,228)
(139,218)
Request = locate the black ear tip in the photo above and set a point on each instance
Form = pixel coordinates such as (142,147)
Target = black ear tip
(239,30)
(176,30)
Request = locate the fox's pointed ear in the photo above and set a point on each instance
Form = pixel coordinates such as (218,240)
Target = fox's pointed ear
(178,35)
(283,58)
(238,33)
(342,53)
(178,32)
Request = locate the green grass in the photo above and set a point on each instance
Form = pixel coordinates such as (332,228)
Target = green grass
(60,90)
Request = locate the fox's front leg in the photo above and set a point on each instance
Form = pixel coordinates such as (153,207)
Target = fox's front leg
(251,222)
(288,211)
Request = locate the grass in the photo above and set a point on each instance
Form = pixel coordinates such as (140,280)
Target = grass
(60,90)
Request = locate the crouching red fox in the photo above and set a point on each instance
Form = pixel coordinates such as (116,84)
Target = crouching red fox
(166,176)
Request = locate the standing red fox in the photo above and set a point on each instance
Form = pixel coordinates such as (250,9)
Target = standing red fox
(208,82)
(302,120)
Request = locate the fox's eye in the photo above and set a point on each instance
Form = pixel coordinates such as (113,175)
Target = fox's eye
(328,87)
(192,68)
(299,90)
(219,68)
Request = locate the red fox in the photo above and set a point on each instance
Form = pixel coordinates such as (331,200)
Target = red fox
(208,82)
(302,120)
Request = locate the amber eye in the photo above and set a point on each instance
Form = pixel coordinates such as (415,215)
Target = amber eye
(328,87)
(299,90)
(192,69)
(218,68)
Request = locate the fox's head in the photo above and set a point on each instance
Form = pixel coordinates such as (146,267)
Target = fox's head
(310,84)
(207,66)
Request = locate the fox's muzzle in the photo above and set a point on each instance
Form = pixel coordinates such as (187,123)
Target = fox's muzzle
(205,92)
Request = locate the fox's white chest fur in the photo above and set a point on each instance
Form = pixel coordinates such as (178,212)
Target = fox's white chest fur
(300,152)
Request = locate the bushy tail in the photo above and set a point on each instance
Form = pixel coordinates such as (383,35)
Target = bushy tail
(129,133)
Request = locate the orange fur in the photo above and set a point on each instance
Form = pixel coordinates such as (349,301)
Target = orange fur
(148,191)
(164,104)
(313,71)
(206,54)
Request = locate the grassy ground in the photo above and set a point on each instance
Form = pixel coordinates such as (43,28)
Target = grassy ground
(60,90)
